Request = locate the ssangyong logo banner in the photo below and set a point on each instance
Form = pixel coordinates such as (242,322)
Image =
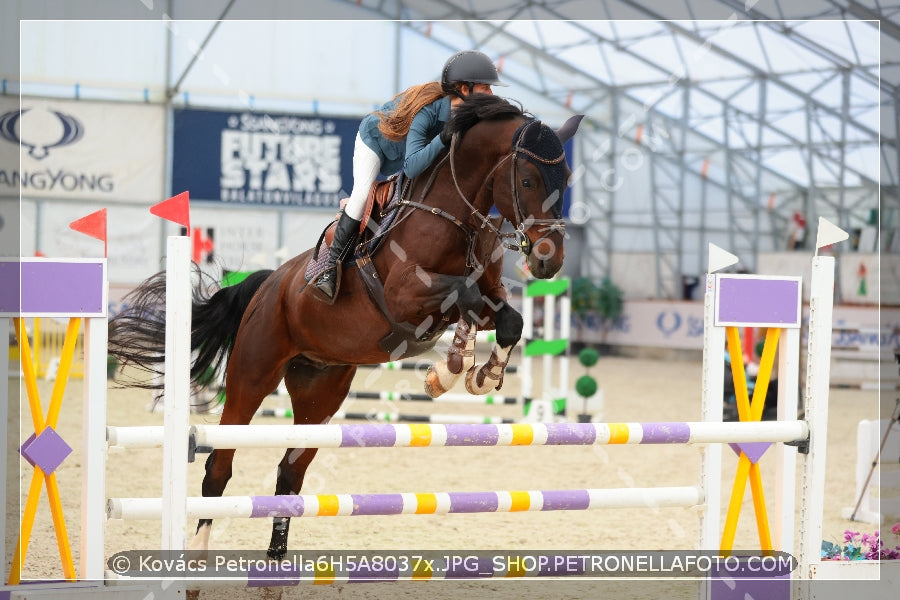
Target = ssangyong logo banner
(263,159)
(82,150)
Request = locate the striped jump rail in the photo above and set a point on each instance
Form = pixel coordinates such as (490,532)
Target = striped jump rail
(419,397)
(438,418)
(418,366)
(350,505)
(393,417)
(515,434)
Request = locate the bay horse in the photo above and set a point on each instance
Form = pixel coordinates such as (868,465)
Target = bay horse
(439,262)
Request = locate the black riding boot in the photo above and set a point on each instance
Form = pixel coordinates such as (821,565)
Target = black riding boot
(345,234)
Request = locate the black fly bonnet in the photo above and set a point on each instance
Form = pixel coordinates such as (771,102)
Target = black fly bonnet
(539,145)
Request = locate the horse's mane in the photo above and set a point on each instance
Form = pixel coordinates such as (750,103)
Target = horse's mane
(482,107)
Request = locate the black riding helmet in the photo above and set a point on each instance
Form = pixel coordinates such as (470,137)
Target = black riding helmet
(469,66)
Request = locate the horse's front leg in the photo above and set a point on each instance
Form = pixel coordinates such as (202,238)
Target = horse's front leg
(415,295)
(489,377)
(443,374)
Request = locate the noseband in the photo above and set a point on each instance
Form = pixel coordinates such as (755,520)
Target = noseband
(523,222)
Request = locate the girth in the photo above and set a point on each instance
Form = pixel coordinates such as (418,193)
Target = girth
(405,339)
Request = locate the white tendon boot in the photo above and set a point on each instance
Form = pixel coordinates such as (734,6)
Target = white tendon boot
(489,377)
(443,374)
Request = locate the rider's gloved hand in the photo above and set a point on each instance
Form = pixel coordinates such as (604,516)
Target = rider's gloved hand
(446,135)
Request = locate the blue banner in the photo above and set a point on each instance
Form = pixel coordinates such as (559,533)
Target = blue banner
(270,159)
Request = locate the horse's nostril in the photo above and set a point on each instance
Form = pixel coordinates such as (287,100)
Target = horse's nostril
(544,248)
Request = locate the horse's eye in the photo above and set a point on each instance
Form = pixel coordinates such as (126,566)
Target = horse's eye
(526,183)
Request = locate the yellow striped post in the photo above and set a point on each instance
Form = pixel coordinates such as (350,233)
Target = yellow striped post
(38,477)
(749,411)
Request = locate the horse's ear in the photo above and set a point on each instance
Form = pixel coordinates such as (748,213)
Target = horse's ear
(569,128)
(531,134)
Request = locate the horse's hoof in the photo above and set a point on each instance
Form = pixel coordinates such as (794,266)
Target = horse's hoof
(433,386)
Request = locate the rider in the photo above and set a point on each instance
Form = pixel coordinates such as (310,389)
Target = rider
(405,133)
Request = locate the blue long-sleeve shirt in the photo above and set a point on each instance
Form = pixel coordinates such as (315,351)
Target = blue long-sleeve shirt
(420,147)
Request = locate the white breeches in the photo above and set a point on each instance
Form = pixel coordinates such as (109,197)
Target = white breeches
(366,165)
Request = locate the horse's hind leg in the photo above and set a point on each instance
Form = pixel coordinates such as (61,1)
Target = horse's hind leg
(254,370)
(316,394)
(443,374)
(490,375)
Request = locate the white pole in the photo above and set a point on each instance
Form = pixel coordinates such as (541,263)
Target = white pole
(818,372)
(176,391)
(527,336)
(150,436)
(786,456)
(549,330)
(565,332)
(712,398)
(4,435)
(93,444)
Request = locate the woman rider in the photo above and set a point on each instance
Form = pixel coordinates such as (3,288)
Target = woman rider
(405,134)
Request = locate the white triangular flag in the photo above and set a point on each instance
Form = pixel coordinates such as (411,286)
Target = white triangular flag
(719,259)
(829,233)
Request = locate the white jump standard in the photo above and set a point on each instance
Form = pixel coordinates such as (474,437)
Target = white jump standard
(724,315)
(731,302)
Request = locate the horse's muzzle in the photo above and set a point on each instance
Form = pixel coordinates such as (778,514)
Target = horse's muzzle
(545,267)
(546,257)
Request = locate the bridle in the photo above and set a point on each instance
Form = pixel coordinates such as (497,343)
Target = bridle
(523,222)
(547,226)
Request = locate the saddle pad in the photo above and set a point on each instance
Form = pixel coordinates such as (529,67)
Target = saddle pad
(391,209)
(316,265)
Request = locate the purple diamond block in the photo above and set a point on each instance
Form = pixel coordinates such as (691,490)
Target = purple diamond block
(753,450)
(46,451)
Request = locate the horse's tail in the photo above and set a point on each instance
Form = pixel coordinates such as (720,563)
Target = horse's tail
(137,335)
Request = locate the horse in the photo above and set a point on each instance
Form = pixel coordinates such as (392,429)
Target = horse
(439,261)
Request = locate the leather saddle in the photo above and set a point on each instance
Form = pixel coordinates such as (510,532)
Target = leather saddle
(382,207)
(381,204)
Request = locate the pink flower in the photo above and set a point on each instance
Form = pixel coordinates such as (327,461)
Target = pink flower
(896,529)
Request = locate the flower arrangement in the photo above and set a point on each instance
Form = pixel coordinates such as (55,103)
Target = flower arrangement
(862,546)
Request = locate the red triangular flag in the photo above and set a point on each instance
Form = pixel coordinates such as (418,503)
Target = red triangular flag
(176,209)
(93,225)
